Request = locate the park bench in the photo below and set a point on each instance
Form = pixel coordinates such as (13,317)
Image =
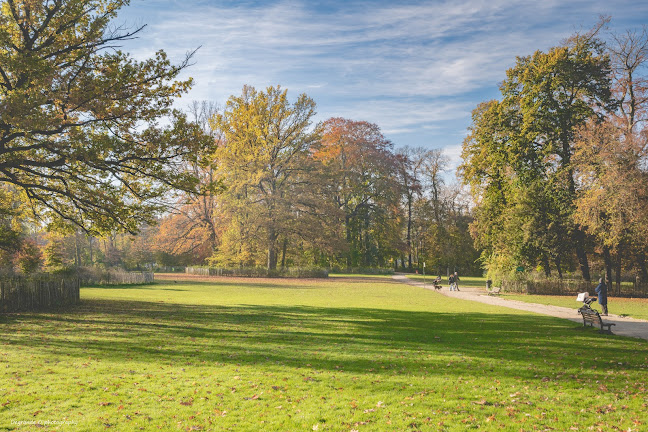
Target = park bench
(592,317)
(494,291)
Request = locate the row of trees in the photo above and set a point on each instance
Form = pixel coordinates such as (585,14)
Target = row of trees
(557,167)
(280,192)
(91,148)
(274,191)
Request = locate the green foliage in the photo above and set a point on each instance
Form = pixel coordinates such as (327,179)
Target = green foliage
(518,156)
(273,188)
(29,257)
(79,125)
(12,218)
(363,173)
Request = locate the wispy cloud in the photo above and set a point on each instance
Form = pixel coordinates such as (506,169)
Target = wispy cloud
(415,69)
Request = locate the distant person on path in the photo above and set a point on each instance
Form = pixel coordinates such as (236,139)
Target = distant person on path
(456,281)
(437,283)
(601,291)
(452,282)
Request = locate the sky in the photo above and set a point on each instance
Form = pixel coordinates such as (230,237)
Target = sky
(415,68)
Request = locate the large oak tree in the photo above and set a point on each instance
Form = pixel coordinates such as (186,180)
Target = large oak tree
(80,132)
(518,157)
(273,191)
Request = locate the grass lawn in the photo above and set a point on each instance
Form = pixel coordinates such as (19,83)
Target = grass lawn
(341,354)
(633,307)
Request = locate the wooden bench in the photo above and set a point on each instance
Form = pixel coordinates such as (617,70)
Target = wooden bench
(592,317)
(494,291)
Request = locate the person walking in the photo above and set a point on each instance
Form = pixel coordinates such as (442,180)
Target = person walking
(452,282)
(601,291)
(456,281)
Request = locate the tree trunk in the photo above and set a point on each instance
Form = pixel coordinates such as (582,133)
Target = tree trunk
(283,253)
(348,240)
(607,260)
(90,239)
(272,252)
(409,232)
(641,260)
(579,244)
(557,261)
(617,269)
(77,252)
(367,262)
(545,264)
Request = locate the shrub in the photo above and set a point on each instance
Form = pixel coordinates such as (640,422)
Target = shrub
(363,270)
(292,272)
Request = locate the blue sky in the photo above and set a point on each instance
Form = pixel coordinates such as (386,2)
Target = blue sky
(416,68)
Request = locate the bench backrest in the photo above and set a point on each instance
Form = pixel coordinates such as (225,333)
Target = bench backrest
(590,315)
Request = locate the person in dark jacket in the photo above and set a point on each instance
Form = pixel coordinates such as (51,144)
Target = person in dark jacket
(601,291)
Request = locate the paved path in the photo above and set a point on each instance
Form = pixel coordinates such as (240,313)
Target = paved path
(625,326)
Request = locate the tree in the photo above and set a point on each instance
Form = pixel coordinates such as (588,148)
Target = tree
(410,164)
(195,221)
(522,147)
(29,257)
(612,204)
(629,55)
(265,161)
(79,123)
(364,170)
(613,201)
(11,218)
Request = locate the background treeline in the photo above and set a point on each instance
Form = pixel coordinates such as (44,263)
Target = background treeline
(558,166)
(98,168)
(275,190)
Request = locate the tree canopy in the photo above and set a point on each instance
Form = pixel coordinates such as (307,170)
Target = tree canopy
(270,178)
(559,157)
(80,120)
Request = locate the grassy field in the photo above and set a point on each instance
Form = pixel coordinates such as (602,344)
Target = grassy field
(343,354)
(633,307)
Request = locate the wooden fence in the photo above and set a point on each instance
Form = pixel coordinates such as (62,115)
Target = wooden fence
(260,272)
(124,278)
(89,276)
(22,294)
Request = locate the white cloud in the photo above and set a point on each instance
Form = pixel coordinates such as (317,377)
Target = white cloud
(412,69)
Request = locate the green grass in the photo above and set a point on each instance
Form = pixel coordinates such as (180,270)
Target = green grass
(633,307)
(361,354)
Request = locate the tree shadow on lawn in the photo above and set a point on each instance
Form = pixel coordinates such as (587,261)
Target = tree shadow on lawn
(155,285)
(358,340)
(133,287)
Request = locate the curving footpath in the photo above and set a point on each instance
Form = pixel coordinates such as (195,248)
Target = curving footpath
(625,326)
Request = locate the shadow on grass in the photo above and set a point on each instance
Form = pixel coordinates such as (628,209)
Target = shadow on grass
(358,340)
